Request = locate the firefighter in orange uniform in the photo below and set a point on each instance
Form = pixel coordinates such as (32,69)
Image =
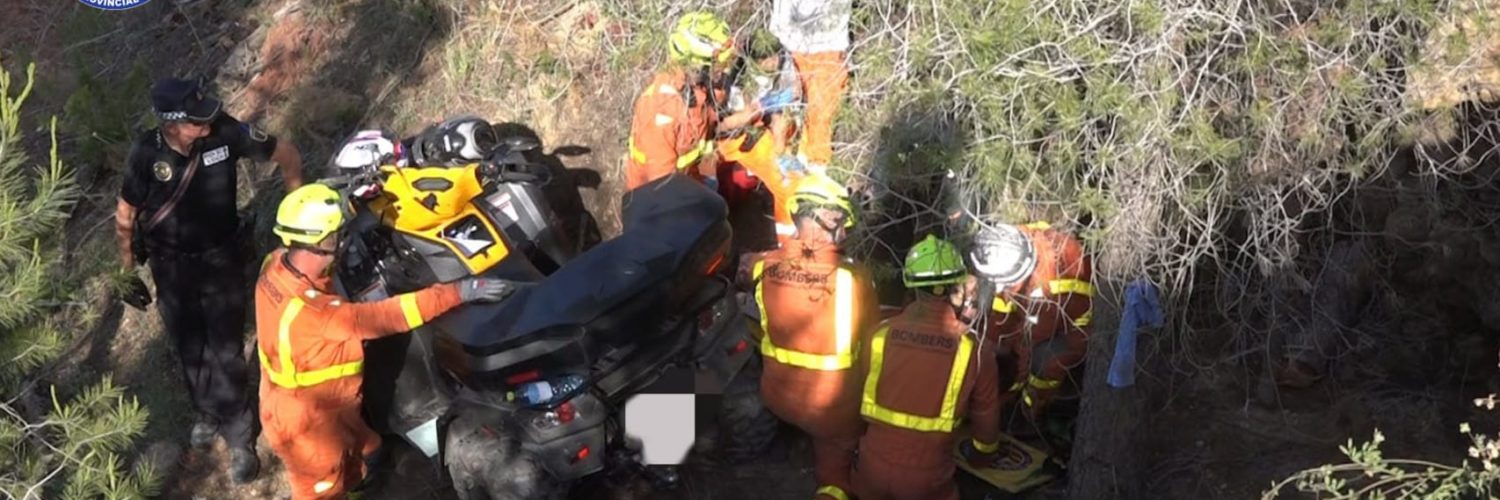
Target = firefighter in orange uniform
(816,308)
(310,346)
(925,374)
(815,33)
(677,115)
(1041,308)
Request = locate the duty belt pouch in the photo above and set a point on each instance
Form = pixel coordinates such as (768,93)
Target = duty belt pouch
(138,241)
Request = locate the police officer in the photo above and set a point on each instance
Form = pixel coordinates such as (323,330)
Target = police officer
(177,212)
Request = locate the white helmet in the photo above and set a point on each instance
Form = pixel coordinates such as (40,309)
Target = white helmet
(1003,255)
(365,148)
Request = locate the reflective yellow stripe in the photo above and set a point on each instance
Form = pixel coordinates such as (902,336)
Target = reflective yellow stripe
(636,153)
(945,421)
(760,299)
(284,345)
(1082,321)
(691,157)
(1001,305)
(1017,386)
(1041,383)
(1039,225)
(687,159)
(983,447)
(843,317)
(410,310)
(289,377)
(1069,285)
(1026,398)
(784,229)
(833,492)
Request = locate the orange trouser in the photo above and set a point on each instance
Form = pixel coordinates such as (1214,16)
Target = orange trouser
(876,479)
(322,443)
(823,76)
(834,439)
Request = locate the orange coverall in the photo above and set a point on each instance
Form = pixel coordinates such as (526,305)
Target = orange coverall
(1042,322)
(824,77)
(815,309)
(925,375)
(311,356)
(666,133)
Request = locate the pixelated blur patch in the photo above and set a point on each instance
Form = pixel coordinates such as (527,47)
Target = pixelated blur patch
(114,4)
(665,424)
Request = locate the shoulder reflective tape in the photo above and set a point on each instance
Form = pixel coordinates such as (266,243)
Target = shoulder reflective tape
(1039,225)
(843,354)
(666,89)
(984,447)
(1001,305)
(1070,285)
(410,310)
(1085,319)
(662,119)
(783,229)
(946,419)
(832,491)
(288,377)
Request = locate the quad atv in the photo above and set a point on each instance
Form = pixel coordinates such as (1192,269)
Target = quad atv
(615,317)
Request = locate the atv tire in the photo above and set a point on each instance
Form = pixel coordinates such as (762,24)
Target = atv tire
(746,426)
(485,463)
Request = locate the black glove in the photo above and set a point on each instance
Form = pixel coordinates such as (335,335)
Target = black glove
(136,294)
(484,290)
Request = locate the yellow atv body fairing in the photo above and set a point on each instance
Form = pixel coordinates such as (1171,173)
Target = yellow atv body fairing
(437,204)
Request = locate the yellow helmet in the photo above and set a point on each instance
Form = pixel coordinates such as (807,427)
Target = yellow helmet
(308,215)
(700,39)
(820,190)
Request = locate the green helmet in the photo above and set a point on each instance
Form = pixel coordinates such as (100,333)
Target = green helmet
(933,262)
(700,39)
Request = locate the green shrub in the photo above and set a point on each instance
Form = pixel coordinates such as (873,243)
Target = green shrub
(70,448)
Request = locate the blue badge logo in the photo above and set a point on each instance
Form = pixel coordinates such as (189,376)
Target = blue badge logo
(114,4)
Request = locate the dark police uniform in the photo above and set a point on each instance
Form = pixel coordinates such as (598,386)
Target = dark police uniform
(197,263)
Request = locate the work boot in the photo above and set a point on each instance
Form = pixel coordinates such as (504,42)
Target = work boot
(203,434)
(244,465)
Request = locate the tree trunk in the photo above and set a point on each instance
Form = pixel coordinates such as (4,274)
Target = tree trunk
(1107,459)
(1105,462)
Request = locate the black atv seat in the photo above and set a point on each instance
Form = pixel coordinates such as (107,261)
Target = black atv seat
(663,222)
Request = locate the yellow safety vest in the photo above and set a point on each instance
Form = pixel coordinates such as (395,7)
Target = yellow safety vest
(843,356)
(946,419)
(289,377)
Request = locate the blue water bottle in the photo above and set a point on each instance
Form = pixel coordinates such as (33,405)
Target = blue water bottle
(542,391)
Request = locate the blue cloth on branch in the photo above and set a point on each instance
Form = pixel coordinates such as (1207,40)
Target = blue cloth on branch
(1142,309)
